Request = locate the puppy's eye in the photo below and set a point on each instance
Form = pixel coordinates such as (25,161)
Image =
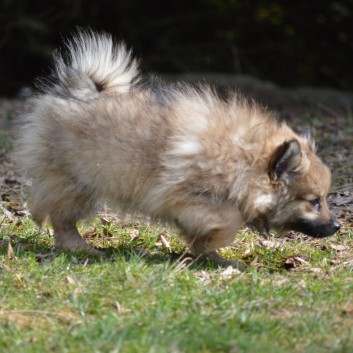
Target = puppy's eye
(315,203)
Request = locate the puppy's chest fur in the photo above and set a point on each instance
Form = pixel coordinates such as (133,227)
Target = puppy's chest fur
(219,156)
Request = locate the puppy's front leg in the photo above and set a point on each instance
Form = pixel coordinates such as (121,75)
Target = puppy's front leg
(208,226)
(208,243)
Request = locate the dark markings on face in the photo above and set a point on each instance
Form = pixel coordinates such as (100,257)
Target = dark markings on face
(315,228)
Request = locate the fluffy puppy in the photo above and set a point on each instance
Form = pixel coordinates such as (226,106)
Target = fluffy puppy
(94,133)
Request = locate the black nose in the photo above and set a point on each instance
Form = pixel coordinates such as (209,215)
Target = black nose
(336,225)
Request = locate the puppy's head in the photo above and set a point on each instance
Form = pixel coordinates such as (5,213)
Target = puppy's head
(300,183)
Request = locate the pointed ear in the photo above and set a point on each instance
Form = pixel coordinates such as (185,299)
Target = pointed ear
(305,132)
(285,159)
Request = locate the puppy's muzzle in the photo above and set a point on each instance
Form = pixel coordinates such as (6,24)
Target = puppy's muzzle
(317,229)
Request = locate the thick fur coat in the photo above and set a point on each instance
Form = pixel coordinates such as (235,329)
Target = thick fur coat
(181,154)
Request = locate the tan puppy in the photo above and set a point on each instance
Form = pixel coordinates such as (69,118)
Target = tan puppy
(173,152)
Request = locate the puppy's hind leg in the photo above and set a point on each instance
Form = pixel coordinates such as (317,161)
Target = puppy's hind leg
(64,206)
(67,236)
(64,220)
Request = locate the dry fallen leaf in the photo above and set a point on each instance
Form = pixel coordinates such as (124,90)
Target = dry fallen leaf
(71,280)
(105,221)
(204,276)
(230,271)
(7,213)
(42,257)
(299,259)
(165,242)
(315,270)
(343,201)
(90,232)
(10,254)
(270,244)
(347,310)
(18,210)
(295,261)
(338,247)
(134,233)
(247,251)
(255,262)
(119,308)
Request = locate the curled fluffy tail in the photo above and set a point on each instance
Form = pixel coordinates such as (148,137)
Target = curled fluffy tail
(93,63)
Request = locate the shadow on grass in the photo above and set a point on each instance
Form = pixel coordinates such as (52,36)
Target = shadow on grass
(20,248)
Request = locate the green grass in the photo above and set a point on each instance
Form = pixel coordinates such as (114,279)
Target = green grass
(296,296)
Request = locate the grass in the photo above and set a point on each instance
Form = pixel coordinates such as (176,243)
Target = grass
(295,296)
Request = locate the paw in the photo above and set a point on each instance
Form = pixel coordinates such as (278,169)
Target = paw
(219,260)
(79,245)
